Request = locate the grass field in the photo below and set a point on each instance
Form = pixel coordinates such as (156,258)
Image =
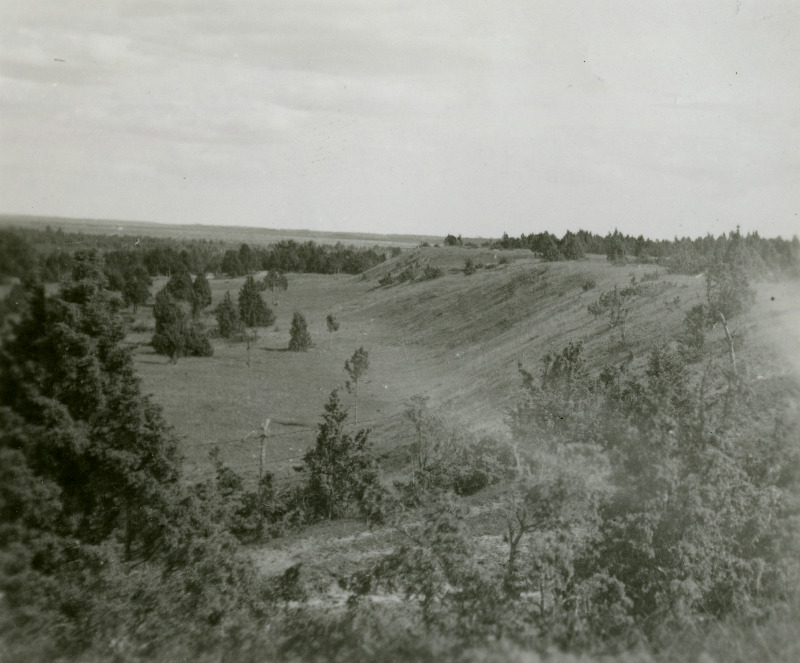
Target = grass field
(456,339)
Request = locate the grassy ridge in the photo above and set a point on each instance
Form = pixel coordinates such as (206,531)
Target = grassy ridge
(456,338)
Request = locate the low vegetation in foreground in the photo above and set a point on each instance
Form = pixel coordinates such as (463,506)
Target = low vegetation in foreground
(636,511)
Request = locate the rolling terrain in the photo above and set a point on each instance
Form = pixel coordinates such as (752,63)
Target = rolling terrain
(457,339)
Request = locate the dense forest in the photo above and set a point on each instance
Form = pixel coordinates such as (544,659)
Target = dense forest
(640,506)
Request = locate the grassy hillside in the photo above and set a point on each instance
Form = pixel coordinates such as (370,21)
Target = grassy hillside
(456,338)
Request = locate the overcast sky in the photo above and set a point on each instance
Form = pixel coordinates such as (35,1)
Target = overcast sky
(414,116)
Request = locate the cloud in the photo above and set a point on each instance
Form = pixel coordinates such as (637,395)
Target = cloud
(443,114)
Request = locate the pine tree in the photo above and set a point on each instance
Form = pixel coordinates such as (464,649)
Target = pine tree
(99,440)
(571,247)
(178,334)
(136,286)
(338,466)
(202,293)
(300,339)
(231,265)
(180,287)
(99,537)
(252,309)
(228,322)
(615,248)
(550,251)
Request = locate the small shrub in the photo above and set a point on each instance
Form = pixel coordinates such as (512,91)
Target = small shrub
(448,458)
(407,274)
(503,260)
(615,305)
(651,276)
(386,280)
(431,273)
(469,267)
(588,284)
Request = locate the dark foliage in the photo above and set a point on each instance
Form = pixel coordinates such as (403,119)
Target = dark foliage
(136,286)
(299,337)
(339,466)
(253,311)
(178,332)
(104,554)
(202,293)
(571,246)
(17,256)
(229,325)
(180,287)
(469,267)
(615,248)
(549,249)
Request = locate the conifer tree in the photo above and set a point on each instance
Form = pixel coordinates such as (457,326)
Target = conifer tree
(136,286)
(252,309)
(338,466)
(550,250)
(202,293)
(180,287)
(228,322)
(300,339)
(571,247)
(178,334)
(99,537)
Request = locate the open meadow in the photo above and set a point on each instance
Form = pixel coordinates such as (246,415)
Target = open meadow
(456,339)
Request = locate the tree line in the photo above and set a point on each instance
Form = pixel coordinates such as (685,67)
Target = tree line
(763,256)
(49,253)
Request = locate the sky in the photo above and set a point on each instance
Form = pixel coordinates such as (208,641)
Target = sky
(475,117)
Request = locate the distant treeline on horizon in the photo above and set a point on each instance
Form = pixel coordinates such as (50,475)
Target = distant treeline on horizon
(47,253)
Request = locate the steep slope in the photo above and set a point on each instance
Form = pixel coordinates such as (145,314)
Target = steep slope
(478,327)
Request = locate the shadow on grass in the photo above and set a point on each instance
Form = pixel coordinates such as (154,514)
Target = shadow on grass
(276,349)
(283,422)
